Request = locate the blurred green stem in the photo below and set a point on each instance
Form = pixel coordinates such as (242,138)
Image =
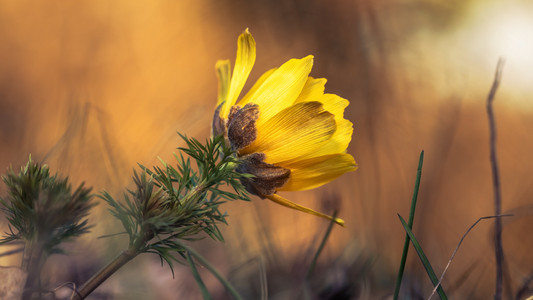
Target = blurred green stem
(212,269)
(320,247)
(199,281)
(123,258)
(32,262)
(306,286)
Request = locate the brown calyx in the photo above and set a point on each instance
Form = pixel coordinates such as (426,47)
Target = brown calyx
(241,125)
(218,126)
(267,178)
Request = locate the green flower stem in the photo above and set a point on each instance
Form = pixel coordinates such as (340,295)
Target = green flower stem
(94,282)
(105,273)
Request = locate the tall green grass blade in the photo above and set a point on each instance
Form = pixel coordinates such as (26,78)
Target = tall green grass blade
(411,219)
(198,278)
(424,260)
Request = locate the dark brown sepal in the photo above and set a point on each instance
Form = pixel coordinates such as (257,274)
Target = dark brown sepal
(218,126)
(267,178)
(241,125)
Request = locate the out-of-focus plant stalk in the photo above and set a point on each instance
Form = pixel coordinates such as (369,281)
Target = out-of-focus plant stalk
(212,269)
(123,258)
(498,245)
(32,262)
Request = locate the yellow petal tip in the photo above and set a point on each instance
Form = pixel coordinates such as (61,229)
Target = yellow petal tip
(287,203)
(246,33)
(339,221)
(222,63)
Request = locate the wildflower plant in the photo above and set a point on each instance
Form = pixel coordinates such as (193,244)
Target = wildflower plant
(170,205)
(286,131)
(285,134)
(43,212)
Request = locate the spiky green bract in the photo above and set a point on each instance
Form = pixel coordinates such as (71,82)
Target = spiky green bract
(141,216)
(42,208)
(177,203)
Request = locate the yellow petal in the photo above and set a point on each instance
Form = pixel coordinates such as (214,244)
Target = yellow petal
(338,143)
(296,131)
(282,87)
(285,202)
(343,134)
(314,172)
(334,104)
(223,75)
(244,100)
(243,65)
(312,90)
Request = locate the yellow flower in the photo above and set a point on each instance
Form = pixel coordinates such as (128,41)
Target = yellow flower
(289,134)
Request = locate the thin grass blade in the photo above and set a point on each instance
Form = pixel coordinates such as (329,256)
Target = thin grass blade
(423,259)
(411,219)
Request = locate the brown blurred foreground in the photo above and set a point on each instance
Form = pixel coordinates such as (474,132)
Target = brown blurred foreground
(94,87)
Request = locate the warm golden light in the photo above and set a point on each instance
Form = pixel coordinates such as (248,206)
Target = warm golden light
(91,88)
(513,37)
(506,31)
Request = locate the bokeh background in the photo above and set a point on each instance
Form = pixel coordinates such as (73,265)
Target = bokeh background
(94,87)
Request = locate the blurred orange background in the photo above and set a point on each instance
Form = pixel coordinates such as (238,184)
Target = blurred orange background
(94,87)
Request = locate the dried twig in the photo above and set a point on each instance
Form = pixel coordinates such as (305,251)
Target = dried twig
(457,249)
(498,248)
